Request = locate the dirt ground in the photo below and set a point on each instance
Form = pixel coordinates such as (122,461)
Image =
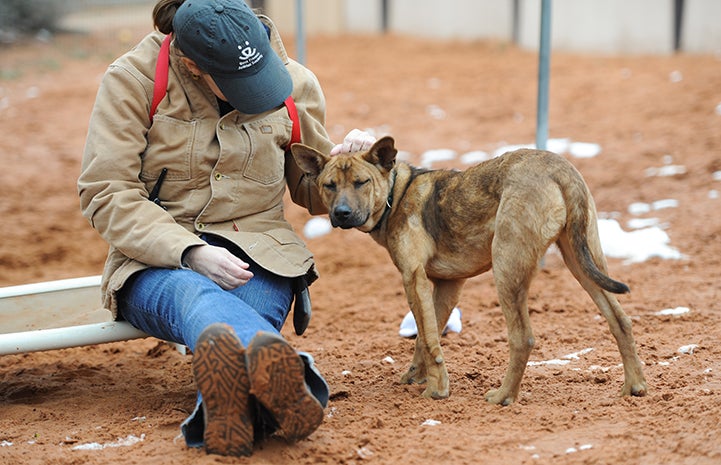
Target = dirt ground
(128,399)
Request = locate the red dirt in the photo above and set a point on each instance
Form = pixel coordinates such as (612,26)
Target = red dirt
(51,402)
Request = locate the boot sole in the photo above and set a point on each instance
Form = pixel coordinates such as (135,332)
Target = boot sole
(220,370)
(277,376)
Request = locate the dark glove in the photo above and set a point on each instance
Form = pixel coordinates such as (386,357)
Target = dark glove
(301,307)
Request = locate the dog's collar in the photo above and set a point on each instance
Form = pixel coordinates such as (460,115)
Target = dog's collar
(389,204)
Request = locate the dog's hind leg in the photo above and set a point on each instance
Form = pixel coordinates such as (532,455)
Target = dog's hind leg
(517,249)
(513,299)
(513,276)
(618,322)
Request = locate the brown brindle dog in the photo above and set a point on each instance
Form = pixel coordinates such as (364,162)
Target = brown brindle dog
(442,227)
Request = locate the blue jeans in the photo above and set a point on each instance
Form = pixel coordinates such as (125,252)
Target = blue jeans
(176,305)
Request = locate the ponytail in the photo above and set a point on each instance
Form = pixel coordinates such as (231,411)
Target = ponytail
(163,14)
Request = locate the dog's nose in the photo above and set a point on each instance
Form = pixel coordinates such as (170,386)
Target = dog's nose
(341,214)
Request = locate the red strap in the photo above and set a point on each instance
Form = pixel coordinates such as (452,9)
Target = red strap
(161,75)
(293,113)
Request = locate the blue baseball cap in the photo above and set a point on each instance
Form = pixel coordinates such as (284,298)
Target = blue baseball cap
(228,41)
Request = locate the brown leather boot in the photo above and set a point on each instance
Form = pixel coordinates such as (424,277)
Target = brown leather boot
(220,369)
(277,380)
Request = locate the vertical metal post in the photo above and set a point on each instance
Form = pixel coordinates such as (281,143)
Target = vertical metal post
(677,24)
(543,75)
(516,21)
(384,16)
(300,31)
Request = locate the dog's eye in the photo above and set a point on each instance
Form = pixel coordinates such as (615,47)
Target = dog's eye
(359,184)
(329,186)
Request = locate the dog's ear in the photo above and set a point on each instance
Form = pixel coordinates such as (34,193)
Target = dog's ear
(309,159)
(383,153)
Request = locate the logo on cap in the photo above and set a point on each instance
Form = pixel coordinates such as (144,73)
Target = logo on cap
(248,56)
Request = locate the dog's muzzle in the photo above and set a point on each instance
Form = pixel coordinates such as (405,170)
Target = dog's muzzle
(342,216)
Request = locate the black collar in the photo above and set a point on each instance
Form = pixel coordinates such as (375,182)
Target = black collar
(389,204)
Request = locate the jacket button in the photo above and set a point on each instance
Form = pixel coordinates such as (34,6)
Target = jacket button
(200,226)
(222,126)
(218,176)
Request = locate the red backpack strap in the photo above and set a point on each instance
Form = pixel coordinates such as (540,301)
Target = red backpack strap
(161,75)
(293,113)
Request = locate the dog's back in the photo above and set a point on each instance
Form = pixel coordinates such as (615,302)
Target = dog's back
(525,193)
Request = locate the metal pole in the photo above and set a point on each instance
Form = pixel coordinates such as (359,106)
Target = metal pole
(35,302)
(516,21)
(543,75)
(677,24)
(70,336)
(384,16)
(300,31)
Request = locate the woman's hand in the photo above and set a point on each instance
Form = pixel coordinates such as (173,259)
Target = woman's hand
(355,141)
(221,266)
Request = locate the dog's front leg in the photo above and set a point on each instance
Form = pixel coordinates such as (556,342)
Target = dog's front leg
(445,296)
(428,359)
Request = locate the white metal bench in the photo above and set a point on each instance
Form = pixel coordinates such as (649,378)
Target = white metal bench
(56,315)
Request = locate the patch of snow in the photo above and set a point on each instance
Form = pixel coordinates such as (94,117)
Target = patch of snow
(120,442)
(673,311)
(688,349)
(316,227)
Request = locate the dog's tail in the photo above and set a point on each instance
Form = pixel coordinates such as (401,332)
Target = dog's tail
(578,205)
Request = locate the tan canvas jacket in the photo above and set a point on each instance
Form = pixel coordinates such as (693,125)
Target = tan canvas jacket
(225,176)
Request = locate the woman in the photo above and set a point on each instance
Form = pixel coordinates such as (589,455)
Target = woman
(189,196)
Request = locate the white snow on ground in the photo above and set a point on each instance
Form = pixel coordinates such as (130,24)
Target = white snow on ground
(316,227)
(431,156)
(120,442)
(687,349)
(635,246)
(584,149)
(565,360)
(665,170)
(574,148)
(673,311)
(474,157)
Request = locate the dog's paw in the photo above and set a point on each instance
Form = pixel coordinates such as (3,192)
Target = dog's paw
(639,389)
(435,394)
(499,397)
(414,375)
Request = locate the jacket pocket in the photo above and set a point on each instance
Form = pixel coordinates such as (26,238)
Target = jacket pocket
(266,163)
(170,144)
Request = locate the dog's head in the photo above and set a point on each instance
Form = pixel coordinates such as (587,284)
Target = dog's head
(354,187)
